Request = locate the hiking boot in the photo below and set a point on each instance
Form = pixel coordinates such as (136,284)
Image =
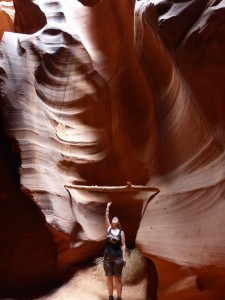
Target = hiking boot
(118,298)
(111,298)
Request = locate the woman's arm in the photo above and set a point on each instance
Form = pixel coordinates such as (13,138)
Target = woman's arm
(123,247)
(107,223)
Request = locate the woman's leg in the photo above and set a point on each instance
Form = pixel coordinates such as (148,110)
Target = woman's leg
(118,284)
(108,267)
(117,271)
(110,285)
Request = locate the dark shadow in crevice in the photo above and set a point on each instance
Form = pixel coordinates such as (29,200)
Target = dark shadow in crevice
(152,280)
(28,252)
(29,18)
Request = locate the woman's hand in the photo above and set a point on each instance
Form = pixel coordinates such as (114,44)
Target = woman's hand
(124,262)
(109,204)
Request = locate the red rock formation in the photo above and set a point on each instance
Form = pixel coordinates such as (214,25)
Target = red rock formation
(105,94)
(28,17)
(6,23)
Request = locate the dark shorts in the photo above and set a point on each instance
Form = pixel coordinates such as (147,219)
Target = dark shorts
(113,265)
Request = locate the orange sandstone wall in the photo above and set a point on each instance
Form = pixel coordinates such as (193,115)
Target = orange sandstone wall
(101,93)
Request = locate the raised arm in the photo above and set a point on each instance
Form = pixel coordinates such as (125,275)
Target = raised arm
(107,223)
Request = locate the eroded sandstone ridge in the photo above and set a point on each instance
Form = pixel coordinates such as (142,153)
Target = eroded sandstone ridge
(101,93)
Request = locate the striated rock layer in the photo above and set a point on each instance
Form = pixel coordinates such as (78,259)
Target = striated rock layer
(101,93)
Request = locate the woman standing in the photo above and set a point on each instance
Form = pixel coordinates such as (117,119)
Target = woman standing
(115,254)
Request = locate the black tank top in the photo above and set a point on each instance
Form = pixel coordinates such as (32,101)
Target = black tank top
(113,246)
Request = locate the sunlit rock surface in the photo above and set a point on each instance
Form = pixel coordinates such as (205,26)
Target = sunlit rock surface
(6,17)
(101,93)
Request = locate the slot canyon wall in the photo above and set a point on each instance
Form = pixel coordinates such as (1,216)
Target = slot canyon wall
(102,93)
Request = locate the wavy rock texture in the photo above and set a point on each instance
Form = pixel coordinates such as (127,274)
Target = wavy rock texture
(101,95)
